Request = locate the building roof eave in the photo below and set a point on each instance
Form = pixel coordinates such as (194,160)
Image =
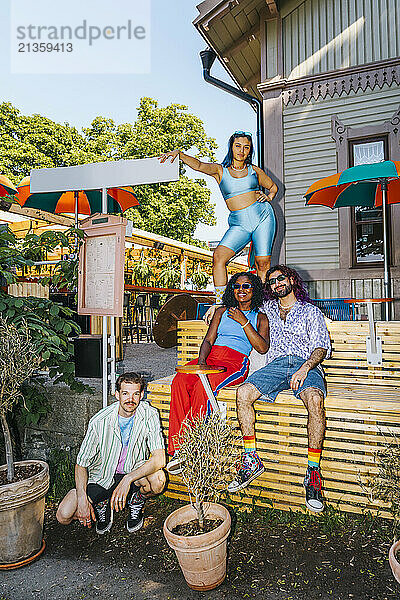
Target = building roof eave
(233,51)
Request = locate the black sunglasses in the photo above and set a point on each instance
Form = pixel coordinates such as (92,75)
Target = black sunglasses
(239,286)
(275,279)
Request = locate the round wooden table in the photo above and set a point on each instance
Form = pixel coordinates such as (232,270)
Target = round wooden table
(202,371)
(369,302)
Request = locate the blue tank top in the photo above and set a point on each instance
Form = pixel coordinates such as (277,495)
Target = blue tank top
(232,335)
(234,186)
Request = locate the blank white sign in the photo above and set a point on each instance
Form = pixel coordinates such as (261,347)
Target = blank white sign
(95,176)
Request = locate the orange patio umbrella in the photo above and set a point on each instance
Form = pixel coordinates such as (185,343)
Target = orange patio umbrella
(83,202)
(6,187)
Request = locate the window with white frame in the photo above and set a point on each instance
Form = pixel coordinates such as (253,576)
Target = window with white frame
(367,222)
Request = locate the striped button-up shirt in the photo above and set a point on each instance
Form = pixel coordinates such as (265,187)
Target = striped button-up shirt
(101,448)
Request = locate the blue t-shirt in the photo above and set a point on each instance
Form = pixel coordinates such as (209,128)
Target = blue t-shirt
(125,427)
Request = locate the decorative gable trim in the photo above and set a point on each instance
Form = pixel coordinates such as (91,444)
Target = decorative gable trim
(336,83)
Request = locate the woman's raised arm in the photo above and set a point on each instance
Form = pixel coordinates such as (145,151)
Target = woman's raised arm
(213,169)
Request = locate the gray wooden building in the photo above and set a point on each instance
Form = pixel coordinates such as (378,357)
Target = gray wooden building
(328,74)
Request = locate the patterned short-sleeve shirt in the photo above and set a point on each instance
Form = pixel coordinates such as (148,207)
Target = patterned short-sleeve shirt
(303,331)
(102,445)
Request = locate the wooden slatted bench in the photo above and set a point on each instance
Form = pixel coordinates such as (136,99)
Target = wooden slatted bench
(362,408)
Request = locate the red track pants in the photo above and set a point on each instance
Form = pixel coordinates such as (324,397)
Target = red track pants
(188,397)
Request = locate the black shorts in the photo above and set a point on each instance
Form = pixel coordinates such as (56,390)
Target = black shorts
(98,493)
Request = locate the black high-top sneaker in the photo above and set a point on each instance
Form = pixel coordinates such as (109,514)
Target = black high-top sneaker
(313,486)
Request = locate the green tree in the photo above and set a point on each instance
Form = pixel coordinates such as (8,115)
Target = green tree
(173,209)
(34,141)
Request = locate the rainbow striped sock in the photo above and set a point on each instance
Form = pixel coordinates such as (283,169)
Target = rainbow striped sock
(314,456)
(249,442)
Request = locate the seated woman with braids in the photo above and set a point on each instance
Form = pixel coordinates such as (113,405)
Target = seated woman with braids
(236,328)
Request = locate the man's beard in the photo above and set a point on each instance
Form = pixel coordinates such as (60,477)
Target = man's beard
(284,292)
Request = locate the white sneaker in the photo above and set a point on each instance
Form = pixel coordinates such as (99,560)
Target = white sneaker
(175,465)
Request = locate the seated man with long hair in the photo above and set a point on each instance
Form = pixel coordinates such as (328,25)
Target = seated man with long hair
(236,328)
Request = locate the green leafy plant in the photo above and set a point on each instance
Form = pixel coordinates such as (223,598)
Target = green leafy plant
(141,271)
(50,324)
(170,274)
(65,273)
(385,484)
(170,209)
(199,278)
(61,468)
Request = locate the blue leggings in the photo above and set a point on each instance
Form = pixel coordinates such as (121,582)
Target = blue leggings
(255,223)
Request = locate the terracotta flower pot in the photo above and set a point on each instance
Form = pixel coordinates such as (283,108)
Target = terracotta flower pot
(394,563)
(202,558)
(22,514)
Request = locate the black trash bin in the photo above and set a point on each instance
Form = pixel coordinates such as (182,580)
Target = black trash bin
(88,356)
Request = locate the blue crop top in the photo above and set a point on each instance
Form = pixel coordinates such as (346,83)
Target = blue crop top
(234,186)
(232,335)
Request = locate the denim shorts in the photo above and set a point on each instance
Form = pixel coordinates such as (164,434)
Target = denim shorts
(275,377)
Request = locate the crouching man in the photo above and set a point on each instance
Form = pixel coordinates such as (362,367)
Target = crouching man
(119,463)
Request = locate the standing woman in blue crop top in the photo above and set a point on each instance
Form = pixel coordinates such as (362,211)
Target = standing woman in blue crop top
(235,329)
(251,218)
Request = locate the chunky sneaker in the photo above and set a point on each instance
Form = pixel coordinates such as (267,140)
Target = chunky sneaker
(313,485)
(135,518)
(248,468)
(104,516)
(175,465)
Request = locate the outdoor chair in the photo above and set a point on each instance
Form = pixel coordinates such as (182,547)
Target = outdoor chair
(141,321)
(128,324)
(153,308)
(202,308)
(336,308)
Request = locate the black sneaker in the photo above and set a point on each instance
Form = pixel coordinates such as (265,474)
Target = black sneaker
(135,518)
(249,467)
(104,516)
(313,485)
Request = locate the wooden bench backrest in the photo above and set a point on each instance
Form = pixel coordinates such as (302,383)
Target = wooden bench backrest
(348,363)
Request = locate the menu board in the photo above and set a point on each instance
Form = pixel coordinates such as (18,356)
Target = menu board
(100,271)
(101,264)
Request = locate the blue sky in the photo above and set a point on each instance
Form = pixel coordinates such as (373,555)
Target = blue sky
(176,76)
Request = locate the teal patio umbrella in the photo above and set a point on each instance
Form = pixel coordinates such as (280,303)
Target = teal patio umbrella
(370,185)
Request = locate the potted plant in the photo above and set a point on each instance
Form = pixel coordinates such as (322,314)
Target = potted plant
(23,485)
(198,532)
(199,278)
(385,485)
(170,274)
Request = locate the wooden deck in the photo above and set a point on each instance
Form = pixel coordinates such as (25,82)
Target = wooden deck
(362,407)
